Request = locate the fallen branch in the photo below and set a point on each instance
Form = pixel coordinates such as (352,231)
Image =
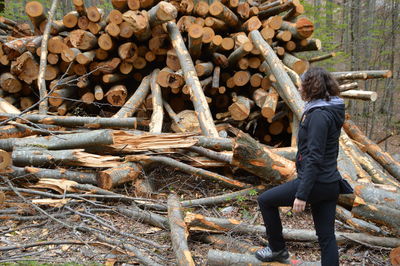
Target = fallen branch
(188,169)
(43,243)
(198,222)
(179,232)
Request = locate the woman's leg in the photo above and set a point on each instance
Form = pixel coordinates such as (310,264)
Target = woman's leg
(269,201)
(324,221)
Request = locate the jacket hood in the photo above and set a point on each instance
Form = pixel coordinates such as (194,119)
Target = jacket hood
(335,106)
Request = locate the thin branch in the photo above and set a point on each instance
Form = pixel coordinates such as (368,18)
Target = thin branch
(42,243)
(6,180)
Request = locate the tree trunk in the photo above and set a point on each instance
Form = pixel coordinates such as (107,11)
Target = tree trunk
(25,157)
(361,225)
(359,95)
(158,110)
(62,142)
(113,177)
(367,74)
(88,122)
(251,156)
(226,258)
(198,97)
(198,222)
(179,232)
(59,173)
(286,90)
(385,159)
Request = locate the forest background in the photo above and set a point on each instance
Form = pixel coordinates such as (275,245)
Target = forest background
(364,34)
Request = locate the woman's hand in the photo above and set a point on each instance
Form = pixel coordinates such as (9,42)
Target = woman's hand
(299,205)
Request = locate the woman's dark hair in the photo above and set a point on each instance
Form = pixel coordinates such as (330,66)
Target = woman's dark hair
(317,83)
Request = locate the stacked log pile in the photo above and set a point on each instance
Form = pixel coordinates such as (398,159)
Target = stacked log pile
(177,77)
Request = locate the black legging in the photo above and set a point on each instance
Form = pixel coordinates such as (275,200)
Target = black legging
(323,198)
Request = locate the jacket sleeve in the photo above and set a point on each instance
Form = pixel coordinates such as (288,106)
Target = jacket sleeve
(317,134)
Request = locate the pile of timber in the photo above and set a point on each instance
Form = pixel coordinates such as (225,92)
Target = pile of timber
(204,55)
(182,78)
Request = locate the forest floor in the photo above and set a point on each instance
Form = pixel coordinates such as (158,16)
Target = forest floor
(187,187)
(166,180)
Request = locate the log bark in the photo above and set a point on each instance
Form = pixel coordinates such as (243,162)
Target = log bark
(366,74)
(179,232)
(321,58)
(60,173)
(89,122)
(116,176)
(286,90)
(361,225)
(204,69)
(8,108)
(248,154)
(379,214)
(202,223)
(198,97)
(38,157)
(216,78)
(144,216)
(239,53)
(226,258)
(385,159)
(348,86)
(297,10)
(158,111)
(15,48)
(135,100)
(371,96)
(58,96)
(43,106)
(61,142)
(308,45)
(274,8)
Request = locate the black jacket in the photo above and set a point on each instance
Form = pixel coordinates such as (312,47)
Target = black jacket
(318,147)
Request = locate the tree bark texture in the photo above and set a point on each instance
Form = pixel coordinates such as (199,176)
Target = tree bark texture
(179,232)
(197,94)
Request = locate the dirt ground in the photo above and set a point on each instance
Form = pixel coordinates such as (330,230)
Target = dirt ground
(166,181)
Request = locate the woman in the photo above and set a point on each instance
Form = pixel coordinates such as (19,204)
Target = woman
(316,164)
